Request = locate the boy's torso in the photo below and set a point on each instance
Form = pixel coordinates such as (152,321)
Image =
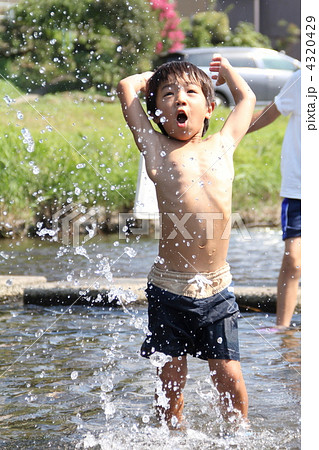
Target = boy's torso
(194,188)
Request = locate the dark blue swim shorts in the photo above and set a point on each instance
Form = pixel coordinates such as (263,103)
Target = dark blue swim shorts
(205,328)
(291,218)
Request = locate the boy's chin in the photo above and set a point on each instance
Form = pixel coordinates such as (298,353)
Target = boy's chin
(183,135)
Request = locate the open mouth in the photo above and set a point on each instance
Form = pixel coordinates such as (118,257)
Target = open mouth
(181,118)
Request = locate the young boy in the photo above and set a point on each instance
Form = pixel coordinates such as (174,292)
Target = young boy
(191,308)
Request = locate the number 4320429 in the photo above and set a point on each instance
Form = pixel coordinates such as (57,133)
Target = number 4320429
(310,42)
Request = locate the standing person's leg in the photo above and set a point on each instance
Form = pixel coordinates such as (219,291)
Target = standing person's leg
(288,281)
(228,379)
(173,380)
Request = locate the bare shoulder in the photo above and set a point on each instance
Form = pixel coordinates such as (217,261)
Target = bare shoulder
(220,147)
(213,141)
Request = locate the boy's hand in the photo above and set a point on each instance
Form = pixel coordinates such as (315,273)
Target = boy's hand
(239,119)
(145,76)
(220,65)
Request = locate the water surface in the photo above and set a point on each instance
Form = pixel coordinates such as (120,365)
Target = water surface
(254,255)
(73,379)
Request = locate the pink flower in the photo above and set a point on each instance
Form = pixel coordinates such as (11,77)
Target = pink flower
(170,33)
(159,47)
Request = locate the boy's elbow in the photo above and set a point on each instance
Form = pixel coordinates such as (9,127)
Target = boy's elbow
(251,99)
(251,96)
(254,98)
(120,87)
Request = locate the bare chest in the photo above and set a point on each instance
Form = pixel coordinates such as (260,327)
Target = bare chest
(201,174)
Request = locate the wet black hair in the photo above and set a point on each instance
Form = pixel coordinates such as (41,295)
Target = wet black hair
(178,70)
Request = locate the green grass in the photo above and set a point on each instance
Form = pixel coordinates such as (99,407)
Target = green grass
(257,171)
(84,153)
(257,180)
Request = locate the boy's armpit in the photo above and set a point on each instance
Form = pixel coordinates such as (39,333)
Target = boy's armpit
(228,144)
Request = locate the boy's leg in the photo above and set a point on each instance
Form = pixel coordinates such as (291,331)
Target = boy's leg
(288,281)
(228,379)
(173,378)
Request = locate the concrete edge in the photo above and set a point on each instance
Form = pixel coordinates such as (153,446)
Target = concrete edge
(38,291)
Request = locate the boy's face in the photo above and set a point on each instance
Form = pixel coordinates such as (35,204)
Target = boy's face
(182,108)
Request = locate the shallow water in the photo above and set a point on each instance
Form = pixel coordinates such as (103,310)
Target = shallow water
(254,255)
(73,379)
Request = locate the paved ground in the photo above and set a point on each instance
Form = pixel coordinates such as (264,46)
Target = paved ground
(39,291)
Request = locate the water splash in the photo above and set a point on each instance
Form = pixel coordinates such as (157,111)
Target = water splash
(123,296)
(74,375)
(80,250)
(8,100)
(130,252)
(28,139)
(159,359)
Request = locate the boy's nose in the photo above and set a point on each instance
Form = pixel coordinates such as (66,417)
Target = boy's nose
(180,99)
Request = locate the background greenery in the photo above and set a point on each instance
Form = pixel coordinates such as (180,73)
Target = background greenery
(84,153)
(212,28)
(76,45)
(55,45)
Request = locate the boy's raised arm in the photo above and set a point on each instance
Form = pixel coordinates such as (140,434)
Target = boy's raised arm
(239,119)
(133,112)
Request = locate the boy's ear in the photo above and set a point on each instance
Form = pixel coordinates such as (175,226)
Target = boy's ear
(210,110)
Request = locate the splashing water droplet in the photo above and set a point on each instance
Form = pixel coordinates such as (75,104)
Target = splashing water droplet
(39,333)
(159,260)
(145,418)
(138,324)
(28,139)
(107,386)
(8,100)
(81,251)
(74,375)
(159,359)
(130,252)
